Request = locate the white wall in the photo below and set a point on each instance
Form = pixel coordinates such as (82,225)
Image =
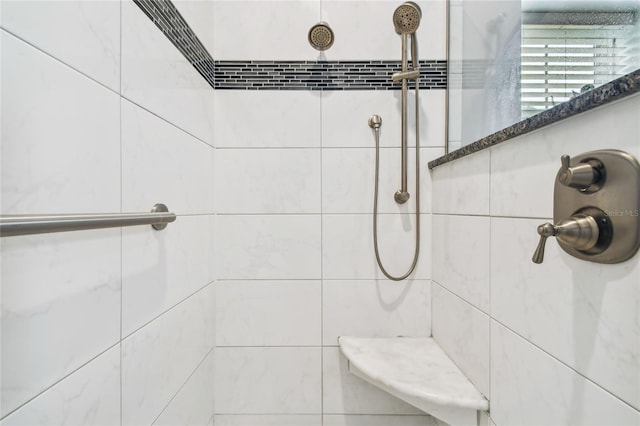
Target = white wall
(294,184)
(555,343)
(101,113)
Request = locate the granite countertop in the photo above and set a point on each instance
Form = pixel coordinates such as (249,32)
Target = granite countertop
(416,370)
(609,92)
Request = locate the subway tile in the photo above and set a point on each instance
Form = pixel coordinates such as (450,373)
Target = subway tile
(463,333)
(268,181)
(530,387)
(268,247)
(461,262)
(268,381)
(344,393)
(381,308)
(84,35)
(159,358)
(90,395)
(268,313)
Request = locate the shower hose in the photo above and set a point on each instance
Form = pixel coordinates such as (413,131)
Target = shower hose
(375,199)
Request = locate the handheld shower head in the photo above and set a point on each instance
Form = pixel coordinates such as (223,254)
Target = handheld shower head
(406,18)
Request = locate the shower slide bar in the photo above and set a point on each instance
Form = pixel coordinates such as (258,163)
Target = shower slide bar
(11,226)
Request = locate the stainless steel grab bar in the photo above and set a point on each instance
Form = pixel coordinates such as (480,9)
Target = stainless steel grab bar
(11,226)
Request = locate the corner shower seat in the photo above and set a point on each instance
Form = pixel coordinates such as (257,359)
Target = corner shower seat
(416,370)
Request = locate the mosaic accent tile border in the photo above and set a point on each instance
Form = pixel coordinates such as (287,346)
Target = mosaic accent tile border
(282,75)
(322,75)
(164,14)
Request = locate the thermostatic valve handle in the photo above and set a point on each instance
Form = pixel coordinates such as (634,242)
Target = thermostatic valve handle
(580,177)
(545,231)
(579,231)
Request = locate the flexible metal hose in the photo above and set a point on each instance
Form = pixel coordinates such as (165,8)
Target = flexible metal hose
(375,196)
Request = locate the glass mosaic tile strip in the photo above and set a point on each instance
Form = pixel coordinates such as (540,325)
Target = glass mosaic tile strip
(322,75)
(283,75)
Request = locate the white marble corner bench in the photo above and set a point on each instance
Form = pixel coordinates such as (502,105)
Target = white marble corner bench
(419,372)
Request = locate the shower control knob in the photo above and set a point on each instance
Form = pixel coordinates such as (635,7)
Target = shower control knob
(582,176)
(580,231)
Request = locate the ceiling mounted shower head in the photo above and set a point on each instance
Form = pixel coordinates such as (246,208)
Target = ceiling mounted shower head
(406,18)
(321,36)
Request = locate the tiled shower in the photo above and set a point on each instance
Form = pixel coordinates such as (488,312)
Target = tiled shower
(231,314)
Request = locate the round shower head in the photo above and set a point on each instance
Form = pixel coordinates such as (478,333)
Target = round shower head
(406,18)
(320,36)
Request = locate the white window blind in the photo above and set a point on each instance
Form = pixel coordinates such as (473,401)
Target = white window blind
(558,61)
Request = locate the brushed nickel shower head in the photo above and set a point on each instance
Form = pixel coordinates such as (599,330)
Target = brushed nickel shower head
(321,36)
(406,18)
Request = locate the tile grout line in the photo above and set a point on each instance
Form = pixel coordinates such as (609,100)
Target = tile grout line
(121,231)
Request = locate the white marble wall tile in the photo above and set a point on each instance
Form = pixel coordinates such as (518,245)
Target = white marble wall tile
(348,179)
(381,308)
(521,381)
(269,420)
(364,29)
(461,260)
(157,76)
(83,34)
(377,420)
(268,313)
(268,381)
(463,333)
(523,170)
(193,405)
(347,246)
(462,186)
(60,297)
(268,247)
(60,136)
(158,359)
(161,163)
(583,313)
(273,30)
(89,396)
(485,420)
(344,393)
(199,14)
(161,268)
(268,180)
(270,118)
(345,118)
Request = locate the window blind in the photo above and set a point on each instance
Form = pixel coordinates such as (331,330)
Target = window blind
(558,61)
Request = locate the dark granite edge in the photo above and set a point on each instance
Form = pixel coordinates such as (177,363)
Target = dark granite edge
(612,91)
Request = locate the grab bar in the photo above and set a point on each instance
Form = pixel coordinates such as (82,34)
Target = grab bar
(11,226)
